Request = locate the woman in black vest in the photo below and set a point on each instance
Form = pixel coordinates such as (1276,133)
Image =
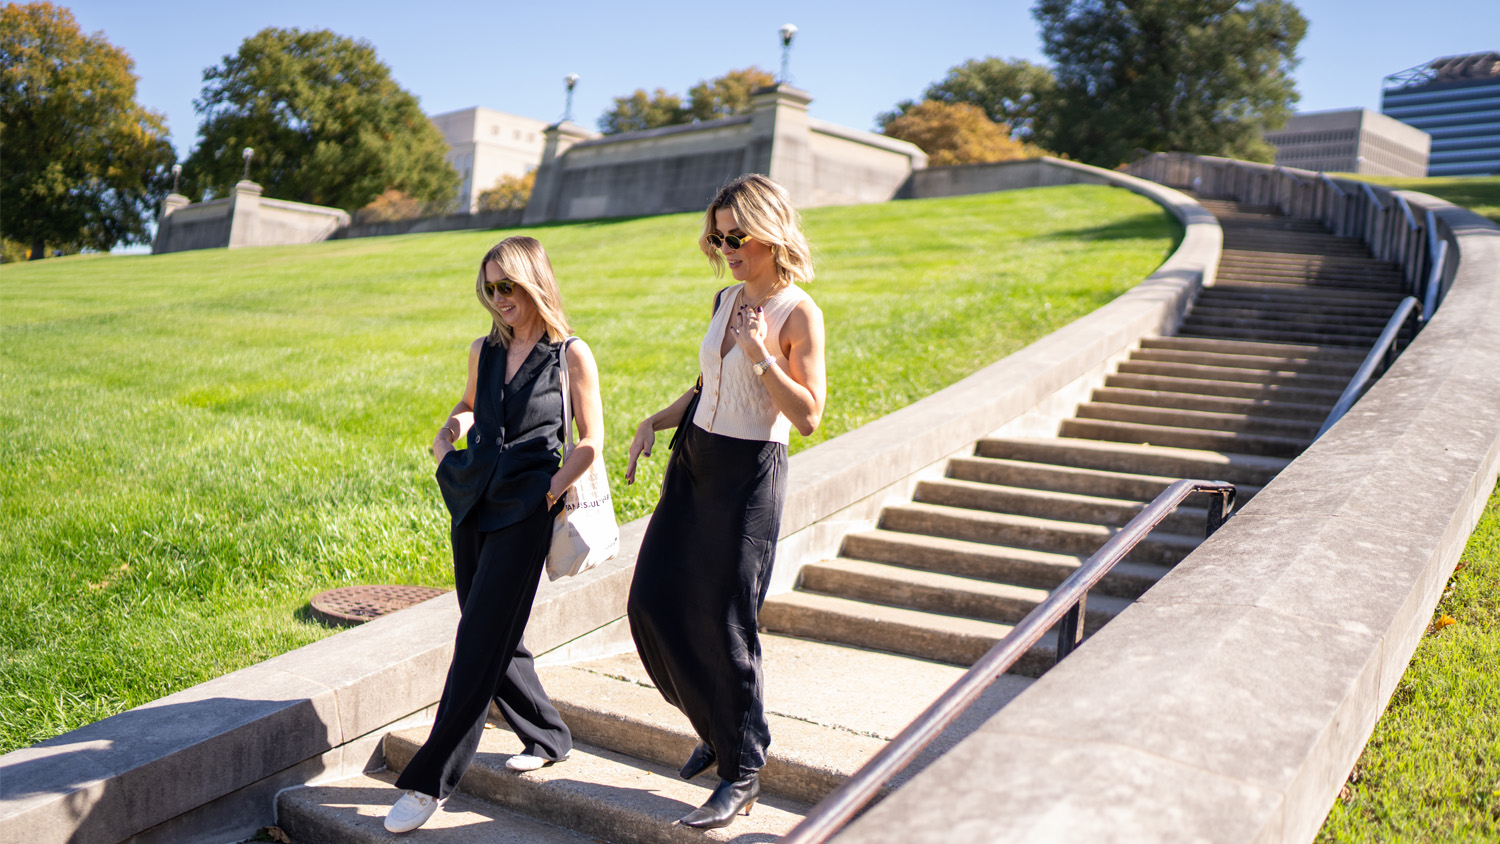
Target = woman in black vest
(503,492)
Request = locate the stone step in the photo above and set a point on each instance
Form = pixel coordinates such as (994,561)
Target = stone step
(1190,327)
(1308,318)
(1019,566)
(1020,473)
(600,793)
(1304,380)
(1193,438)
(1302,260)
(1240,423)
(1242,347)
(1213,404)
(937,592)
(1375,278)
(1230,389)
(1294,305)
(1249,319)
(829,706)
(1293,243)
(1308,292)
(1272,363)
(1049,504)
(353,810)
(945,638)
(1128,457)
(1055,535)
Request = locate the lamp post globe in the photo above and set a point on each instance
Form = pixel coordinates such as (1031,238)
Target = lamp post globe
(176,174)
(247,154)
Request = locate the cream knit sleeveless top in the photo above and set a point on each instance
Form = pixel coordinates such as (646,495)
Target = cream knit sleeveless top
(734,402)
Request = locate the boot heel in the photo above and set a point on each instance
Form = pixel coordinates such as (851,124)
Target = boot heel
(748,807)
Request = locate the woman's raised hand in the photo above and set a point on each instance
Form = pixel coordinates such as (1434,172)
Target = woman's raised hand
(645,438)
(748,325)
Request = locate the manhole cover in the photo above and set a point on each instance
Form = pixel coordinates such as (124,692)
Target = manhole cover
(351,605)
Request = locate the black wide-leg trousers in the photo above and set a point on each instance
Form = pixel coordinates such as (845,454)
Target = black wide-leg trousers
(700,580)
(496,575)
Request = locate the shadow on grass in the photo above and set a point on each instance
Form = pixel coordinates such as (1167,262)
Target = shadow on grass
(1138,227)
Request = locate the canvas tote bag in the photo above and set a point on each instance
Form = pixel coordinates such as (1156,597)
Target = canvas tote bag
(585,533)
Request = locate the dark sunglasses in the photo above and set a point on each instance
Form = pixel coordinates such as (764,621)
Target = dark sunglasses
(504,288)
(734,241)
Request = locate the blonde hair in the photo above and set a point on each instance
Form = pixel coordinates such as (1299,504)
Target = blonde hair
(764,211)
(524,263)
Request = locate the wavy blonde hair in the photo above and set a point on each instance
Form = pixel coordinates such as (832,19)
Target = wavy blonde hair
(524,263)
(763,211)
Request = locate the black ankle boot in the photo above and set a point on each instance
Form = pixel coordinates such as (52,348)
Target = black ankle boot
(703,757)
(727,801)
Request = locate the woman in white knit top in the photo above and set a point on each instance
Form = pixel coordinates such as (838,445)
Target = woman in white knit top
(706,558)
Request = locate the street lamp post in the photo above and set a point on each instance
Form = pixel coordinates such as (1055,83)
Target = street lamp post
(176,174)
(247,153)
(571,80)
(787,31)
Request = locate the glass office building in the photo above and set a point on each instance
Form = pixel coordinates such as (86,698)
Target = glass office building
(1456,100)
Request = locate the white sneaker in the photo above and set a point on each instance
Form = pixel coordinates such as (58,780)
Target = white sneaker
(523,762)
(410,812)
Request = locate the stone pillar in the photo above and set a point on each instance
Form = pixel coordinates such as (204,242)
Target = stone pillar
(543,205)
(244,214)
(162,242)
(780,140)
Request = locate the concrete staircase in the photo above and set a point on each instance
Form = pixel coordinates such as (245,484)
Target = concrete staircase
(870,638)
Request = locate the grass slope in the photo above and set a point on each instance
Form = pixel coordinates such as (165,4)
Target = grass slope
(197,443)
(1431,770)
(1480,194)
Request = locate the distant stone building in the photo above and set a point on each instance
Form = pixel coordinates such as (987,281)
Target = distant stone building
(1457,101)
(1354,140)
(585,175)
(484,145)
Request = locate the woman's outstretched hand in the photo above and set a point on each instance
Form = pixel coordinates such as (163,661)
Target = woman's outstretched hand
(645,438)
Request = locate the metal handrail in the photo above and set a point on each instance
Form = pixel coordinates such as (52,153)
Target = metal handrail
(1434,281)
(1065,602)
(1383,348)
(1411,222)
(1334,185)
(1373,196)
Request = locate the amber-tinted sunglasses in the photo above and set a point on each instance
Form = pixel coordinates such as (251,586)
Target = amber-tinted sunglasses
(734,241)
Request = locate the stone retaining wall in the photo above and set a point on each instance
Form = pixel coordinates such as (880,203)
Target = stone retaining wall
(205,763)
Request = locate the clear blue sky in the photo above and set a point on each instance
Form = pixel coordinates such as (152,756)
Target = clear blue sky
(856,59)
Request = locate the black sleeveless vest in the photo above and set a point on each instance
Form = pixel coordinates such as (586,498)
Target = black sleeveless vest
(514,445)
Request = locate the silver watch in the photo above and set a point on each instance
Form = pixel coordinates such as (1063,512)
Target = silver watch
(760,368)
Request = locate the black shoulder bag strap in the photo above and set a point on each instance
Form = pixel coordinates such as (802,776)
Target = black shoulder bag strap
(692,407)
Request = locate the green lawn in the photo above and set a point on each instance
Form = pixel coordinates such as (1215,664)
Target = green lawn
(195,444)
(1480,194)
(1431,771)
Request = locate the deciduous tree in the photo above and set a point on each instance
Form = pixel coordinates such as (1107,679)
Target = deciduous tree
(728,95)
(84,166)
(326,120)
(956,133)
(509,192)
(643,111)
(1204,76)
(1011,92)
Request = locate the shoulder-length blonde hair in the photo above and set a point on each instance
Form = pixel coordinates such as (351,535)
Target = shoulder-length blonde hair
(764,211)
(524,263)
